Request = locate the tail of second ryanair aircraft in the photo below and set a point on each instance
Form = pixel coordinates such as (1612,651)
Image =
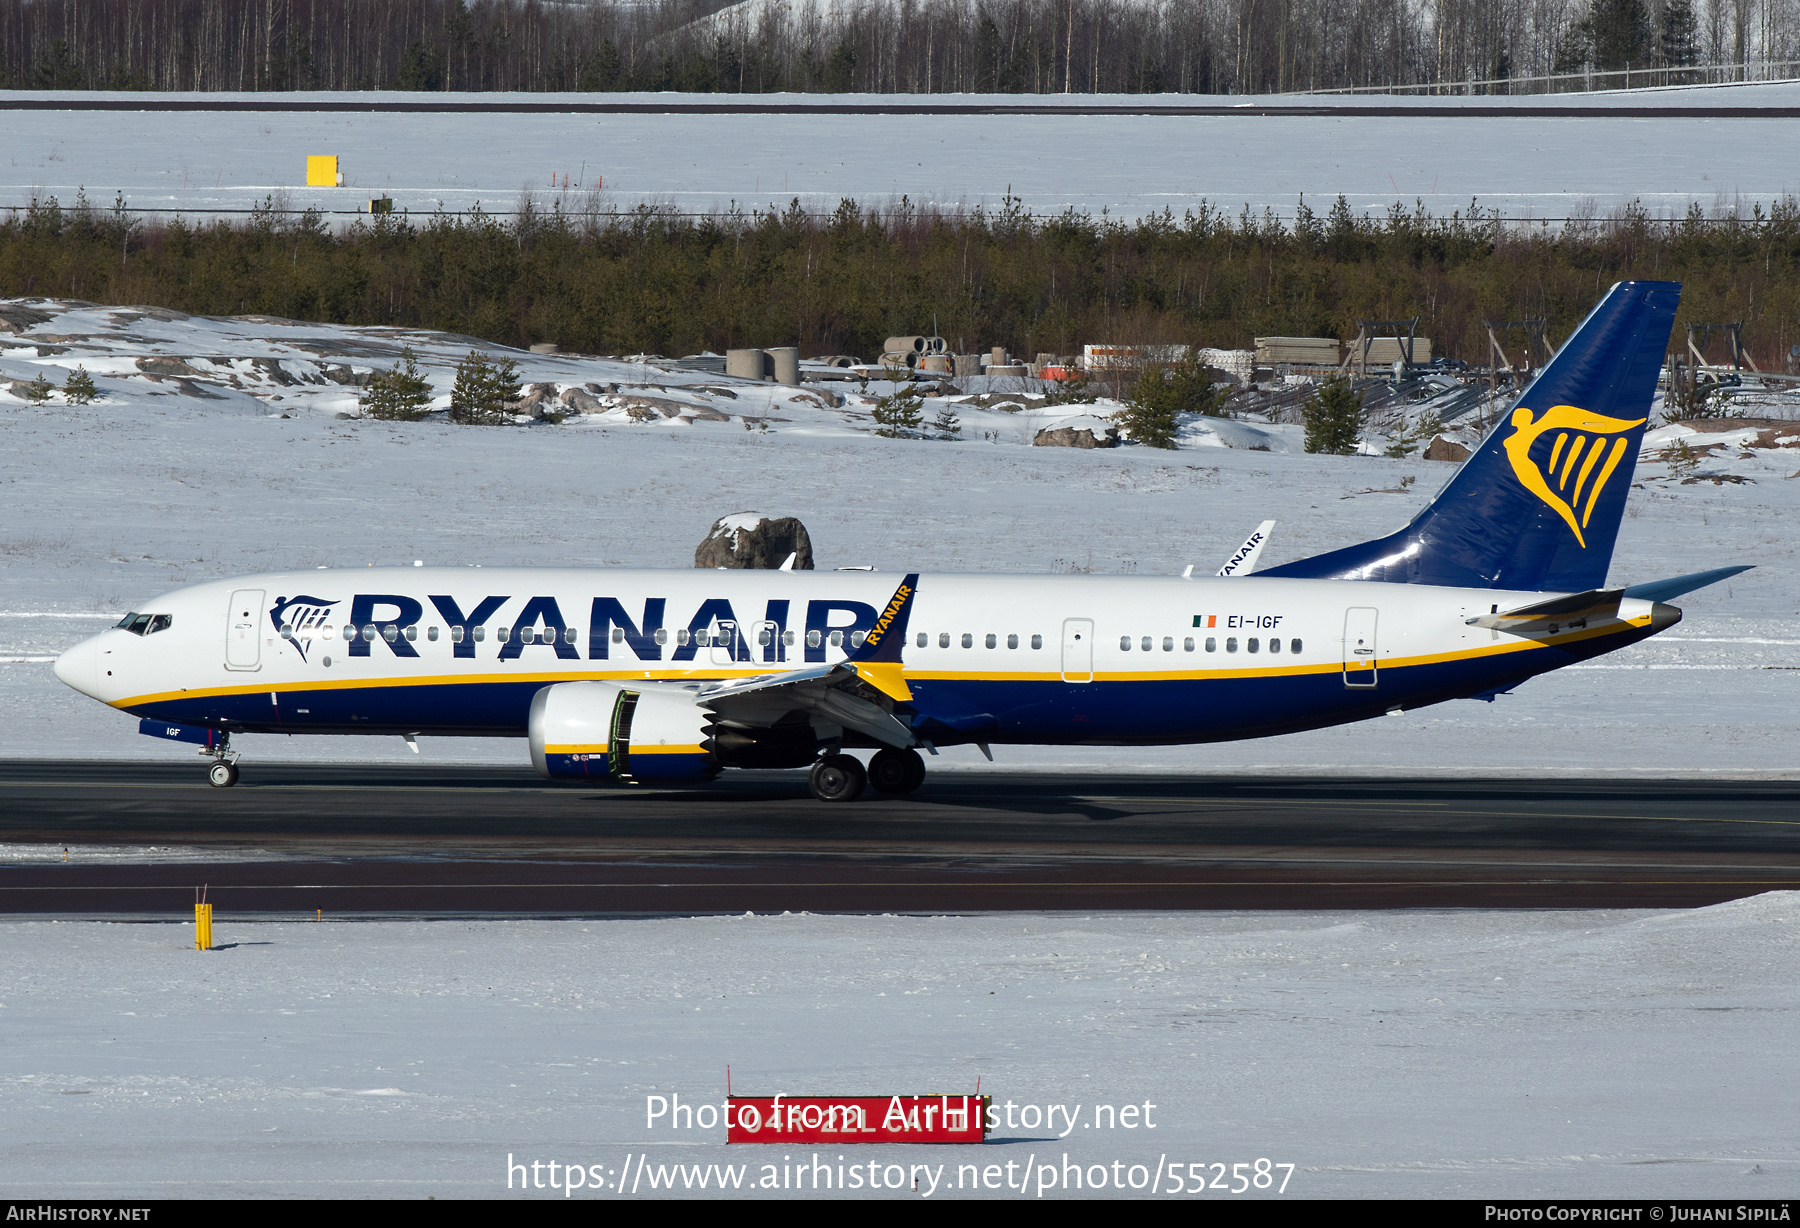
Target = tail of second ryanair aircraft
(1537,507)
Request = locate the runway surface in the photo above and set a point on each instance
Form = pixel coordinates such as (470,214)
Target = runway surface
(425,840)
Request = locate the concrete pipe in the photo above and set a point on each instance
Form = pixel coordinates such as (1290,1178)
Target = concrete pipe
(940,364)
(904,345)
(936,345)
(744,364)
(787,364)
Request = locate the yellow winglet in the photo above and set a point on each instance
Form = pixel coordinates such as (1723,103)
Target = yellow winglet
(885,677)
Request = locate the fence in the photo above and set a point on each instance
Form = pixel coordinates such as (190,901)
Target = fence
(1627,78)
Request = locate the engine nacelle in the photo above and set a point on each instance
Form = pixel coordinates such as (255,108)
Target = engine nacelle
(608,731)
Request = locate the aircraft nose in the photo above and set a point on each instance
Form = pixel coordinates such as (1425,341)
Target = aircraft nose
(79,666)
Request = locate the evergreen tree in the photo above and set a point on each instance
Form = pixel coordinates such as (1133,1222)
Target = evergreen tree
(948,426)
(1677,39)
(419,68)
(58,69)
(899,413)
(1620,34)
(1162,393)
(601,70)
(38,390)
(1334,417)
(79,388)
(399,393)
(483,389)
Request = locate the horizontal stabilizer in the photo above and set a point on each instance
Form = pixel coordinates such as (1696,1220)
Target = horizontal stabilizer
(1668,590)
(1556,616)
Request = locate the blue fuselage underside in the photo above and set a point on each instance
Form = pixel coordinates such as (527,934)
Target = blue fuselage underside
(945,711)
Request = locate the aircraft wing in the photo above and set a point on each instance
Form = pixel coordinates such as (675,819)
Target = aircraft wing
(830,690)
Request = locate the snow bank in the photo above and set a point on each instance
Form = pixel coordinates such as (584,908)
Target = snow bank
(1406,1054)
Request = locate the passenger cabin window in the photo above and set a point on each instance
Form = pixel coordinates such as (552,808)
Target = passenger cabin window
(349,633)
(1274,645)
(1294,647)
(1251,644)
(1168,643)
(814,639)
(787,637)
(1124,643)
(1187,645)
(618,635)
(412,633)
(837,639)
(943,639)
(480,633)
(1012,641)
(390,633)
(1146,644)
(456,635)
(324,633)
(968,641)
(924,639)
(857,638)
(1212,645)
(1231,643)
(991,641)
(431,634)
(682,635)
(368,633)
(1037,641)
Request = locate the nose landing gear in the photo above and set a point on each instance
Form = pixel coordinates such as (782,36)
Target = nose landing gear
(222,772)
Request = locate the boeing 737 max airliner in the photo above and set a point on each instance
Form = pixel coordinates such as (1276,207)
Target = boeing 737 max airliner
(670,676)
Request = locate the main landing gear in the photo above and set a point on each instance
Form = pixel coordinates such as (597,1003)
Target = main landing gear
(222,772)
(896,771)
(841,778)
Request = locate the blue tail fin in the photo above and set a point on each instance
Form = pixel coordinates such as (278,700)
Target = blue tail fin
(1538,505)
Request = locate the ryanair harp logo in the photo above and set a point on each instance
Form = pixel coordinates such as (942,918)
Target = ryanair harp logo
(1583,450)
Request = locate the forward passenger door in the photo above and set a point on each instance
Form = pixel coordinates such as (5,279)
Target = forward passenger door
(243,620)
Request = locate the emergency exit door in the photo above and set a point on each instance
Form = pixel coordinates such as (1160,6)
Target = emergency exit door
(1078,650)
(1359,646)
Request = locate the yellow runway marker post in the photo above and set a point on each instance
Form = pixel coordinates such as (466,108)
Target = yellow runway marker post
(203,939)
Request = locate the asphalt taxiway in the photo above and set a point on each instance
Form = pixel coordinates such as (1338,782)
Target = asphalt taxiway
(426,840)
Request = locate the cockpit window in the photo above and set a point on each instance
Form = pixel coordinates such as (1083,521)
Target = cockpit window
(145,624)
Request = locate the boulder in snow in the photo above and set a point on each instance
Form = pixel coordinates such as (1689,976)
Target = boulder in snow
(753,540)
(1441,449)
(1081,431)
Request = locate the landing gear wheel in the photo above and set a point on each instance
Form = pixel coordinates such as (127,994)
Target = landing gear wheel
(837,778)
(222,775)
(896,771)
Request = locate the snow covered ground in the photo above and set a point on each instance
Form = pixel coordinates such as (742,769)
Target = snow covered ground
(1408,1054)
(1126,165)
(240,466)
